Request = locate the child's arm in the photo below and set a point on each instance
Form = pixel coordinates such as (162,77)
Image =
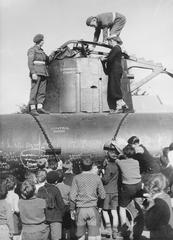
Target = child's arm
(10,220)
(73,195)
(106,176)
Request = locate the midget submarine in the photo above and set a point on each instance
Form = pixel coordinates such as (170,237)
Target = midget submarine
(79,121)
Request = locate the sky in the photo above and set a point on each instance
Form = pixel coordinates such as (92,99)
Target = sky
(148,33)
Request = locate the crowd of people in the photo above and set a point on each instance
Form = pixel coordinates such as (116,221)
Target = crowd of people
(61,202)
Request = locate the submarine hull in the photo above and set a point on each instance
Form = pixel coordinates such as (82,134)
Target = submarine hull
(83,133)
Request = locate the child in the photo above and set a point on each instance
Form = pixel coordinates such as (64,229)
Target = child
(32,213)
(147,163)
(41,178)
(55,205)
(6,218)
(159,214)
(110,179)
(13,199)
(64,187)
(86,187)
(131,180)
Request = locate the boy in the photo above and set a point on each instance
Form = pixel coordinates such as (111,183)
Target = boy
(131,180)
(86,188)
(110,182)
(55,205)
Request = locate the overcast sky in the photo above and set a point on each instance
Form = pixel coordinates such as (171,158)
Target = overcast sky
(148,33)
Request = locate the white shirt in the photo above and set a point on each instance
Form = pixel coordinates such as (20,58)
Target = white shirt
(170,158)
(13,199)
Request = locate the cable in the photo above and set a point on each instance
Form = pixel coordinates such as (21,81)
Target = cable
(46,137)
(119,126)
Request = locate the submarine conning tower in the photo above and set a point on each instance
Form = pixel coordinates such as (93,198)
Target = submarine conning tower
(77,81)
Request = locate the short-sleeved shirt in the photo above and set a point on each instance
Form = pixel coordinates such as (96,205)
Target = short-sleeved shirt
(130,170)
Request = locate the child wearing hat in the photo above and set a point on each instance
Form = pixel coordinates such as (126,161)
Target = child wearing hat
(110,182)
(55,205)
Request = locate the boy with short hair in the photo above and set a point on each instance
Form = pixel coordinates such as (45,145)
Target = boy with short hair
(86,188)
(41,178)
(55,205)
(131,180)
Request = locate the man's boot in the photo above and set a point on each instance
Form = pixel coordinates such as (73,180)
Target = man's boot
(41,110)
(33,110)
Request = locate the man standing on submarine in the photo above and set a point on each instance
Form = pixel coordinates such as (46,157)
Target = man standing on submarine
(38,62)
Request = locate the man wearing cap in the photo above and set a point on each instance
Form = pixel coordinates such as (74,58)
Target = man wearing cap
(37,63)
(112,21)
(113,68)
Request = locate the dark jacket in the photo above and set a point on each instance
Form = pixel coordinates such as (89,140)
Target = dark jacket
(37,54)
(147,162)
(159,218)
(56,212)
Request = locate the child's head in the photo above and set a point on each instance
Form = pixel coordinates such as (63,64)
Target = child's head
(3,190)
(31,177)
(27,189)
(95,169)
(156,183)
(129,151)
(133,140)
(67,166)
(42,163)
(53,163)
(41,176)
(86,163)
(11,182)
(54,177)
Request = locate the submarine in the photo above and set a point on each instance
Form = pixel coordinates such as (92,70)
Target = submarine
(79,121)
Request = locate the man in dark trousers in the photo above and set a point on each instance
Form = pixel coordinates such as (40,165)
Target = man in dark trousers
(112,21)
(37,63)
(113,68)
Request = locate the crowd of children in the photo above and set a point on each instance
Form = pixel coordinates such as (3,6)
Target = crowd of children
(58,203)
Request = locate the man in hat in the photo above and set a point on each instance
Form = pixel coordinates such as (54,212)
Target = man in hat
(112,21)
(37,63)
(113,68)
